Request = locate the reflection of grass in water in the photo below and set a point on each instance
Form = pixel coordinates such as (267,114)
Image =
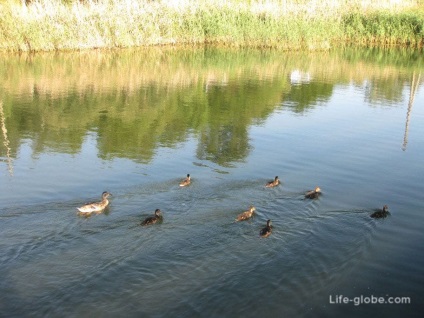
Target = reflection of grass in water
(127,71)
(137,100)
(144,109)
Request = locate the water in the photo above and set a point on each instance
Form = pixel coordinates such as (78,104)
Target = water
(136,122)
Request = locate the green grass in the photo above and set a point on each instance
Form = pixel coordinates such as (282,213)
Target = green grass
(384,28)
(46,25)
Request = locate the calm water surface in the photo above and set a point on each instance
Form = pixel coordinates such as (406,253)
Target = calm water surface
(136,122)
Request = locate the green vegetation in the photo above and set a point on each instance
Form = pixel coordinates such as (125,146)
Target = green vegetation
(383,28)
(44,25)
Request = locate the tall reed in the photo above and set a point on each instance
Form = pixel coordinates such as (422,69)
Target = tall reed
(289,24)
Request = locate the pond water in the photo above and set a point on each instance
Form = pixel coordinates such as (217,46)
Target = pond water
(135,123)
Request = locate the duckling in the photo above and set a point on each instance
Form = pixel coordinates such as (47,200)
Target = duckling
(274,183)
(95,206)
(246,214)
(266,231)
(313,194)
(153,219)
(186,181)
(381,213)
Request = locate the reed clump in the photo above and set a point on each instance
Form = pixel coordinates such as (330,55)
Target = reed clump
(45,25)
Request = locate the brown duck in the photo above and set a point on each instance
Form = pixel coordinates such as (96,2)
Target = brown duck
(313,194)
(186,181)
(273,183)
(246,214)
(153,219)
(267,230)
(381,213)
(95,207)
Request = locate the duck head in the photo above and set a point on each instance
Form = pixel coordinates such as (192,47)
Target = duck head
(106,194)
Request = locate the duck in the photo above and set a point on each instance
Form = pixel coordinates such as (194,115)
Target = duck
(313,194)
(153,219)
(246,214)
(186,181)
(274,183)
(267,230)
(381,213)
(96,207)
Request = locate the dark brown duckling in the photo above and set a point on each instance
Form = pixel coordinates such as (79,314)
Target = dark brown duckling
(273,183)
(313,194)
(246,214)
(381,213)
(266,231)
(153,219)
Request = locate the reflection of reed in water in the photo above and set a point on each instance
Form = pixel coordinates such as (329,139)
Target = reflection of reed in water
(6,140)
(414,88)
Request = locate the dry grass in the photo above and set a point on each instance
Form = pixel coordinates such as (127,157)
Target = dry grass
(290,24)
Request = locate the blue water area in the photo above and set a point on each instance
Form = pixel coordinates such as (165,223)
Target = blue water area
(354,129)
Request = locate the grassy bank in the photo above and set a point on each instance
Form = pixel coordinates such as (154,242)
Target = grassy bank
(288,24)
